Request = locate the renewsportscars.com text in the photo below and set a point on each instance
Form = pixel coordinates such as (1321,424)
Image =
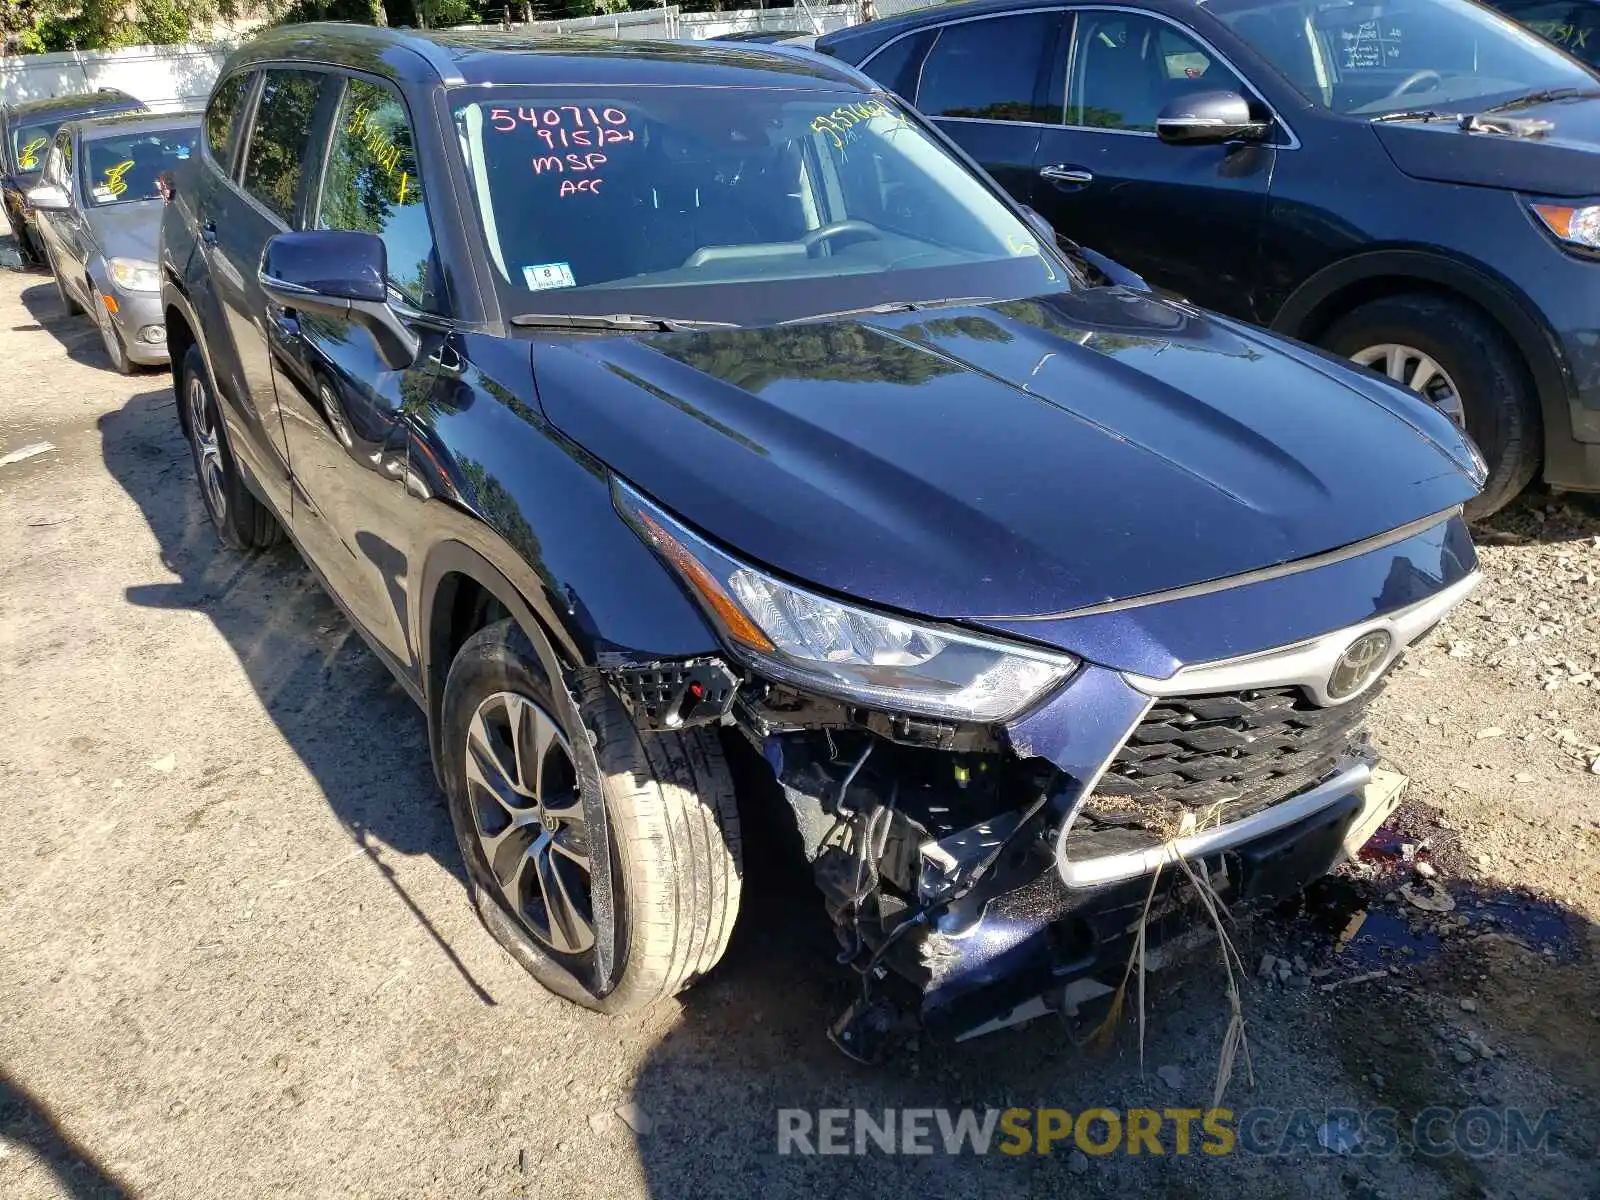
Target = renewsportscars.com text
(1373,1133)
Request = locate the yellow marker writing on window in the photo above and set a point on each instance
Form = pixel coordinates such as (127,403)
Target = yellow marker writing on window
(28,160)
(115,183)
(841,120)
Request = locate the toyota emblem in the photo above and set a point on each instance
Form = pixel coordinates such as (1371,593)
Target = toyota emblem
(1359,665)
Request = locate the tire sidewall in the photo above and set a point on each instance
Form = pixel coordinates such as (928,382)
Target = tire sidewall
(502,659)
(1501,413)
(194,367)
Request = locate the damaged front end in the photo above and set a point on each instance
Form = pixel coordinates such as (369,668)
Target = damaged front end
(986,858)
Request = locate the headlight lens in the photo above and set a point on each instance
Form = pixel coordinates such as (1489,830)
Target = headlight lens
(134,274)
(1575,226)
(797,636)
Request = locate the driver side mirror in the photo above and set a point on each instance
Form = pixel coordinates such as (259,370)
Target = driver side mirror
(1207,118)
(47,197)
(343,274)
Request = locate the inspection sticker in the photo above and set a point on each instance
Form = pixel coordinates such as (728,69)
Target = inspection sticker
(548,275)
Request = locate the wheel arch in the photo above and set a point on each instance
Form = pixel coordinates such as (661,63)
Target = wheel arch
(1352,282)
(461,592)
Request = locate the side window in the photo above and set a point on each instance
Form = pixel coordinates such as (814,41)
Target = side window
(281,138)
(989,68)
(55,167)
(371,185)
(220,113)
(898,66)
(1128,67)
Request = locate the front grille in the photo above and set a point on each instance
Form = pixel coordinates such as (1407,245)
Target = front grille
(1249,749)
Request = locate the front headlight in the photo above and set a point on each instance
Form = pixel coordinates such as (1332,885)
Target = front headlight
(797,636)
(1574,226)
(133,274)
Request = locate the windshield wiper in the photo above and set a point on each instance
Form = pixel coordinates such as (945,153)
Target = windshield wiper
(890,306)
(1543,97)
(632,322)
(1416,114)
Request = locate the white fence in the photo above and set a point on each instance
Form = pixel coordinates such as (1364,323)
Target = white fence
(671,22)
(164,77)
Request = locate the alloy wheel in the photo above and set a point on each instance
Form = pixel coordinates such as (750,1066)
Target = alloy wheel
(208,448)
(522,790)
(1421,372)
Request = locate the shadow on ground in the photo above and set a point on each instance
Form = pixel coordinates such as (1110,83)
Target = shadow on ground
(25,1121)
(338,708)
(78,335)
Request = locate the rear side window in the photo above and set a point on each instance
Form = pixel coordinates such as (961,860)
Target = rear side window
(220,113)
(281,137)
(988,69)
(372,185)
(898,65)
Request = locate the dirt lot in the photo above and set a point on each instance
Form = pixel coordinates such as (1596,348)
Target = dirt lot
(237,959)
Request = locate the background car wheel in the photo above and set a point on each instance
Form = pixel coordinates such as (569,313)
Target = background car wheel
(115,350)
(67,302)
(1462,363)
(241,520)
(512,767)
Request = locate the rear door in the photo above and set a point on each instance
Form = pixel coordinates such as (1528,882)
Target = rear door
(1187,218)
(237,218)
(983,81)
(341,404)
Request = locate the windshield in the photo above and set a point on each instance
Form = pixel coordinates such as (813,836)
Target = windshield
(1369,59)
(30,143)
(121,170)
(793,202)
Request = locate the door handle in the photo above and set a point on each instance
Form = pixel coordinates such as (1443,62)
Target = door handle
(208,233)
(1061,173)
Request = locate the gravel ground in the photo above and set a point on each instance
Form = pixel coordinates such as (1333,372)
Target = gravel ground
(237,959)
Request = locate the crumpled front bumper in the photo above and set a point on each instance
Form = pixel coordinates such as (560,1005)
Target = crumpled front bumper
(1024,916)
(1055,946)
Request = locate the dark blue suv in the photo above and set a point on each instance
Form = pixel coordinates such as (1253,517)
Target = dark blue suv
(1412,184)
(690,429)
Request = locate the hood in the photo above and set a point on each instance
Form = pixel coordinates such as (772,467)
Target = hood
(127,230)
(1024,457)
(1560,162)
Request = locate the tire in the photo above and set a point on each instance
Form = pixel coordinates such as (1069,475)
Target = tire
(241,521)
(67,302)
(115,350)
(671,820)
(1500,407)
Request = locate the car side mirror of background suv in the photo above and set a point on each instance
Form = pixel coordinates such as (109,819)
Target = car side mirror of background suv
(1206,118)
(339,274)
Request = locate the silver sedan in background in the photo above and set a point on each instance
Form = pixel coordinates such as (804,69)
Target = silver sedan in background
(97,210)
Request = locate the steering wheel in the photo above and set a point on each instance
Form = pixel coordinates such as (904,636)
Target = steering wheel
(1416,77)
(838,229)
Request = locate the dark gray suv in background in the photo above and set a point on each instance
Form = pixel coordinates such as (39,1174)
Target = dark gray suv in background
(1413,184)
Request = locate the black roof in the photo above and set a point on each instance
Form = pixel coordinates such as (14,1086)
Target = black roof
(471,57)
(66,107)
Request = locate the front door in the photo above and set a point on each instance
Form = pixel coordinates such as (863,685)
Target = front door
(341,404)
(236,223)
(1187,218)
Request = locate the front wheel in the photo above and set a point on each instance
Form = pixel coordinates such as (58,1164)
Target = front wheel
(1460,362)
(115,350)
(514,770)
(242,521)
